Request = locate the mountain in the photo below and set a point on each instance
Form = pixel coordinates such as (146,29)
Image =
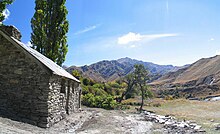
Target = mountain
(112,70)
(200,78)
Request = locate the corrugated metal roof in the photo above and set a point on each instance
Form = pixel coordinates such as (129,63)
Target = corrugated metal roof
(45,61)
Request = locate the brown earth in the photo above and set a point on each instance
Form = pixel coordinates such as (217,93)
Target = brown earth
(91,121)
(204,71)
(202,78)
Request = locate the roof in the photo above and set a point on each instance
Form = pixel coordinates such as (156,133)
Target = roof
(56,69)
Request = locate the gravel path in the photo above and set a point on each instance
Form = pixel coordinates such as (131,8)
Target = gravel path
(91,121)
(117,122)
(68,125)
(100,121)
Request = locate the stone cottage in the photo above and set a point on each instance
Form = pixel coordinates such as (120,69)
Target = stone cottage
(33,89)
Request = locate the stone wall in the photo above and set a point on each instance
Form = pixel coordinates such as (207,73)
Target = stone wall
(12,31)
(62,103)
(23,86)
(31,93)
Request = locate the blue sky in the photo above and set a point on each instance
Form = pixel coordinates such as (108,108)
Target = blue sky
(176,32)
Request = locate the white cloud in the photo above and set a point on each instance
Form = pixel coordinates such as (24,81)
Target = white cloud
(212,39)
(136,37)
(6,13)
(130,37)
(87,29)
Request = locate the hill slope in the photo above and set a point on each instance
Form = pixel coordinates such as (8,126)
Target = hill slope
(201,77)
(112,70)
(202,69)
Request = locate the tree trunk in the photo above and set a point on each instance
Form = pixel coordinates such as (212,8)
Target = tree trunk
(124,93)
(142,99)
(122,96)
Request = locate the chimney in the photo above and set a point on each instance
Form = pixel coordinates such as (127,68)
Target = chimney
(11,31)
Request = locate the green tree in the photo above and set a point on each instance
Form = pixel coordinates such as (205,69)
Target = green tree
(3,4)
(130,81)
(141,77)
(85,81)
(49,28)
(76,74)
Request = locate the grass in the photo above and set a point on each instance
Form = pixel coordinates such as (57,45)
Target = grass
(206,114)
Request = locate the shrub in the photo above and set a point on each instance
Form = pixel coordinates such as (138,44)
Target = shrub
(115,85)
(148,94)
(86,81)
(105,101)
(97,85)
(130,95)
(85,90)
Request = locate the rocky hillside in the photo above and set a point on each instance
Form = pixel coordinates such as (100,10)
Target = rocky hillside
(111,70)
(202,77)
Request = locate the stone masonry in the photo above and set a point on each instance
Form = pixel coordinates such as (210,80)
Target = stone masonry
(30,92)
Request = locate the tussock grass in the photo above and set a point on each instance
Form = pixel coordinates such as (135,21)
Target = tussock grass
(206,114)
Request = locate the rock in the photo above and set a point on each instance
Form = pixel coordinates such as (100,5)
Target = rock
(171,125)
(168,123)
(197,127)
(212,120)
(217,127)
(161,121)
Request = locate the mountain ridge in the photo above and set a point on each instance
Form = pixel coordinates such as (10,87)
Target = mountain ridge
(201,78)
(110,70)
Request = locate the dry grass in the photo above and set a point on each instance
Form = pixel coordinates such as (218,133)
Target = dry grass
(206,114)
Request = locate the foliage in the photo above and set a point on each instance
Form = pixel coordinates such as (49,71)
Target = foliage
(3,4)
(86,81)
(49,28)
(148,94)
(101,95)
(103,101)
(107,95)
(141,77)
(130,95)
(171,92)
(76,74)
(130,82)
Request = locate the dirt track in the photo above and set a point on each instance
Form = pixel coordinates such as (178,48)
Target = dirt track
(109,122)
(91,121)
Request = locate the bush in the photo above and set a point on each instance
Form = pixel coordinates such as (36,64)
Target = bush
(109,89)
(86,81)
(115,85)
(130,95)
(97,85)
(148,94)
(106,102)
(85,90)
